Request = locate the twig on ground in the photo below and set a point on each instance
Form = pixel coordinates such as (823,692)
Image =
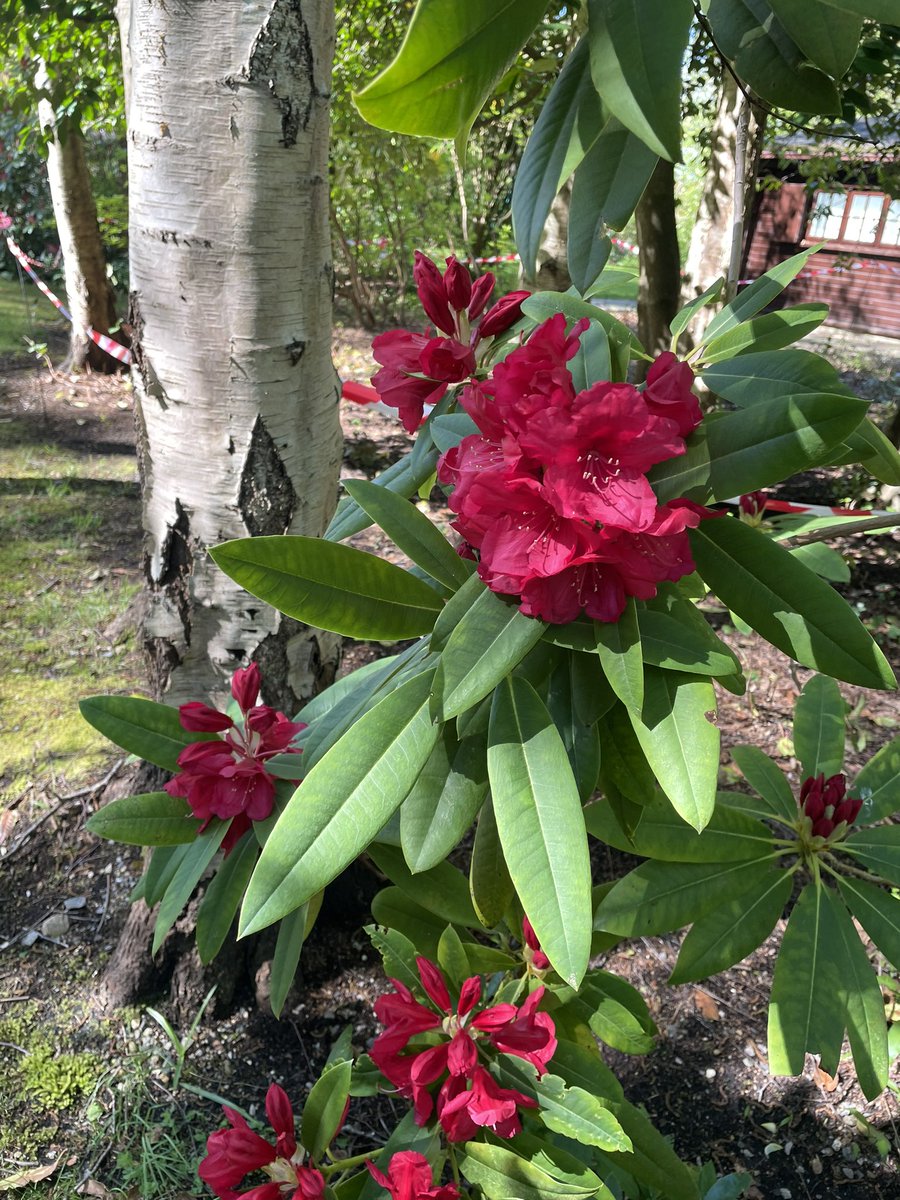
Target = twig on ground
(61,802)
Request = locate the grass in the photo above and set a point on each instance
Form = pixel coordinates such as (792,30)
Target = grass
(24,314)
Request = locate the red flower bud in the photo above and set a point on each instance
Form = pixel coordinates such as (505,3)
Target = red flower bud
(481,294)
(245,685)
(504,313)
(430,286)
(753,503)
(823,828)
(200,718)
(457,284)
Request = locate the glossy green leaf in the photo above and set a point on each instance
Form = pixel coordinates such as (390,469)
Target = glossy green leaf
(619,651)
(615,1013)
(153,819)
(411,531)
(662,834)
(677,637)
(398,953)
(767,780)
(878,912)
(453,55)
(753,378)
(331,586)
(142,727)
(404,478)
(191,866)
(874,450)
(657,897)
(761,292)
(344,801)
(679,741)
(581,1066)
(452,958)
(875,10)
(323,1109)
(620,282)
(823,560)
(292,931)
(624,770)
(652,1160)
(397,911)
(223,897)
(878,783)
(685,315)
(806,1009)
(529,1169)
(582,741)
(541,826)
(790,606)
(754,447)
(767,59)
(443,890)
(591,362)
(491,639)
(636,52)
(367,675)
(579,1115)
(866,1024)
(828,37)
(768,331)
(444,800)
(734,929)
(490,884)
(877,848)
(164,862)
(819,727)
(542,305)
(454,610)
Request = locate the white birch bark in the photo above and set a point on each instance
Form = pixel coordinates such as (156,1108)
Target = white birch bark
(231,277)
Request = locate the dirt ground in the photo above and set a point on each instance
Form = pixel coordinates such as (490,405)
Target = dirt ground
(707,1082)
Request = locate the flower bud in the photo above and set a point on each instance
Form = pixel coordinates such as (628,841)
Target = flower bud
(481,294)
(504,313)
(430,286)
(823,828)
(457,285)
(245,684)
(196,717)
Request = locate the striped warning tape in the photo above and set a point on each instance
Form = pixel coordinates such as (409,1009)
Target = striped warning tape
(815,510)
(112,347)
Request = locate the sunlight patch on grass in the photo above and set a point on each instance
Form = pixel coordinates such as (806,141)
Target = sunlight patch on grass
(23,316)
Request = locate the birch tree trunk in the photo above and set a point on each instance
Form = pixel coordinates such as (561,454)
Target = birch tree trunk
(88,290)
(236,398)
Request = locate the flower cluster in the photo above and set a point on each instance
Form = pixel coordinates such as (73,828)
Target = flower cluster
(553,493)
(825,804)
(226,777)
(417,369)
(469,1098)
(233,1153)
(409,1178)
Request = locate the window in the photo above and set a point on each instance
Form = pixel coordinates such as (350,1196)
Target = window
(861,218)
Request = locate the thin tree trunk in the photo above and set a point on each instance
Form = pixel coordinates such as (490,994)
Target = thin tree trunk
(659,285)
(88,290)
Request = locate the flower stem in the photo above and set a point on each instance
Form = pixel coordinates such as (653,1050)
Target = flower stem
(343,1164)
(844,868)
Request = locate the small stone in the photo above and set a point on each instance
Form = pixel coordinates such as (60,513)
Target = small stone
(55,926)
(815,1165)
(785,1193)
(710,1072)
(74,902)
(29,938)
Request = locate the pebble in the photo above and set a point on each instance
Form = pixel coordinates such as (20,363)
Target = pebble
(710,1072)
(55,926)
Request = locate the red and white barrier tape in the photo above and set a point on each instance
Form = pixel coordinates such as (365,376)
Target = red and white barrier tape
(815,510)
(104,341)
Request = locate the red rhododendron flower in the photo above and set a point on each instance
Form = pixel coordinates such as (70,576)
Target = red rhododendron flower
(467,1031)
(553,494)
(752,506)
(416,369)
(464,1111)
(227,777)
(233,1153)
(826,804)
(409,1177)
(532,947)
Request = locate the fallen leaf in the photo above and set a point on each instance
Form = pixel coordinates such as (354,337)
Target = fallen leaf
(29,1175)
(706,1006)
(825,1081)
(8,818)
(94,1187)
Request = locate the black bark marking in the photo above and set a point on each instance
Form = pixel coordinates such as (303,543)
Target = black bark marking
(267,498)
(177,558)
(295,349)
(282,56)
(275,666)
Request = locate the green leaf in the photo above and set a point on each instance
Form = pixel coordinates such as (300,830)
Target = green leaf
(591,362)
(878,912)
(679,741)
(806,1009)
(875,10)
(730,836)
(819,727)
(579,1115)
(223,897)
(569,122)
(581,1066)
(624,771)
(753,378)
(142,727)
(766,58)
(636,52)
(677,637)
(529,1170)
(823,560)
(657,897)
(323,1109)
(754,298)
(491,639)
(398,954)
(347,797)
(153,819)
(542,305)
(453,55)
(186,877)
(411,531)
(541,826)
(866,1025)
(582,741)
(878,783)
(490,885)
(164,862)
(396,911)
(615,1013)
(770,331)
(734,929)
(614,283)
(292,931)
(454,611)
(404,478)
(331,586)
(619,651)
(790,606)
(348,685)
(443,890)
(685,315)
(877,848)
(445,799)
(828,37)
(653,1161)
(875,452)
(754,447)
(767,780)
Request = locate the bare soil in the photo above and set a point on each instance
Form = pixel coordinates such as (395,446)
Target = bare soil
(707,1082)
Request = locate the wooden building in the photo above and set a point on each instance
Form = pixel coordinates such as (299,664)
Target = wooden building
(858,274)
